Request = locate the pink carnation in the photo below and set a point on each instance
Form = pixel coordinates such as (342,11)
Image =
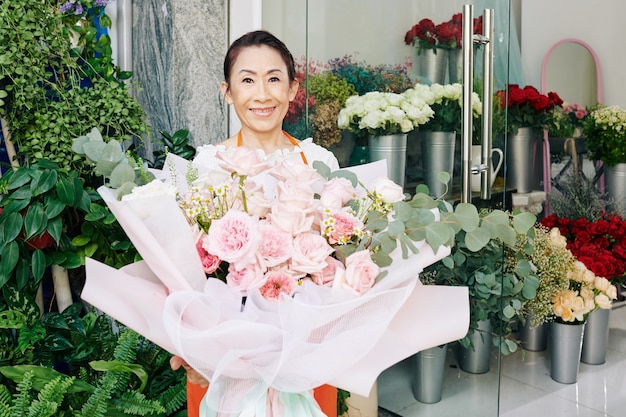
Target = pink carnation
(210,262)
(234,238)
(276,245)
(277,283)
(342,227)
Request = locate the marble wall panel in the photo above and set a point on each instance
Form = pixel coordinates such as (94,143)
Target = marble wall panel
(178,48)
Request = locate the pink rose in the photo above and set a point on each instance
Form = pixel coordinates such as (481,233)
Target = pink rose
(244,161)
(327,276)
(257,203)
(235,238)
(276,246)
(246,278)
(310,251)
(295,194)
(361,272)
(277,283)
(337,192)
(340,226)
(290,220)
(290,169)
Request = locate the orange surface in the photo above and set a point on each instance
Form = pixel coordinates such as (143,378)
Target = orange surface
(326,397)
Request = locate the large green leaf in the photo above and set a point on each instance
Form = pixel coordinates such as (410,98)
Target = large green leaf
(66,191)
(42,376)
(54,207)
(8,260)
(467,216)
(437,235)
(523,222)
(35,220)
(118,366)
(55,228)
(38,264)
(19,178)
(121,174)
(12,225)
(44,182)
(477,239)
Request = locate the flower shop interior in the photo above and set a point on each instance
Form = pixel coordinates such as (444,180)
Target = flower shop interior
(541,130)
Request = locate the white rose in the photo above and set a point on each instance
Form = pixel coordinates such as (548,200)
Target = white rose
(387,190)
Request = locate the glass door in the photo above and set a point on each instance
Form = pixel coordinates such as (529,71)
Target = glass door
(349,47)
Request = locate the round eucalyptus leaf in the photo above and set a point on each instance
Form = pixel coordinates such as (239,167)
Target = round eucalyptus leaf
(121,174)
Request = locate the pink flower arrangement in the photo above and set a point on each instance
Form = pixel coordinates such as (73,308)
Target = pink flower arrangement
(314,229)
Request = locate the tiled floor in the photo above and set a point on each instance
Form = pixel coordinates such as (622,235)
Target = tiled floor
(524,388)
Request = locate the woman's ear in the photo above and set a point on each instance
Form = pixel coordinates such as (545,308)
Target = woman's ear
(226,92)
(293,89)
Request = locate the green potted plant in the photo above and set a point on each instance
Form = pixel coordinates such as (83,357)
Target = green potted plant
(499,277)
(605,139)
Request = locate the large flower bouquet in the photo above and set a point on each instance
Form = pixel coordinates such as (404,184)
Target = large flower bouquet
(312,276)
(599,244)
(605,134)
(568,291)
(525,107)
(384,113)
(445,101)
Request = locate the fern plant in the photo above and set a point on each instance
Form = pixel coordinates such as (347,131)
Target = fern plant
(108,387)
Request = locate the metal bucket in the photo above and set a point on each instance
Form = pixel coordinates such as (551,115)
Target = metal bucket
(393,149)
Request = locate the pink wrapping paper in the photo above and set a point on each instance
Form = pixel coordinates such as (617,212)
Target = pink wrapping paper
(321,335)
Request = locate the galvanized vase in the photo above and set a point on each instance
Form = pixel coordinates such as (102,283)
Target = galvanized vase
(521,159)
(476,359)
(566,341)
(596,337)
(437,156)
(430,366)
(393,149)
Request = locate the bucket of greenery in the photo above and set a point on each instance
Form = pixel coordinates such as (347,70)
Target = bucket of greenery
(500,280)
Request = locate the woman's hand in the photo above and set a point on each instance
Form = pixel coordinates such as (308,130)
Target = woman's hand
(192,375)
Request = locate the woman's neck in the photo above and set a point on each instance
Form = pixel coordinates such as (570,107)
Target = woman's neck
(268,142)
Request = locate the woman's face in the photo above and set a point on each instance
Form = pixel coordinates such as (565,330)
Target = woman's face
(259,89)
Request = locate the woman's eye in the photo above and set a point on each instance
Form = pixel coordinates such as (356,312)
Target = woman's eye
(274,79)
(247,80)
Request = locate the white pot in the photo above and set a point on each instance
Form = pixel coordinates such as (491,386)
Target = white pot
(475,180)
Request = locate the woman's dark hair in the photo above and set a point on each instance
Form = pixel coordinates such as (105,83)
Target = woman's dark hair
(258,38)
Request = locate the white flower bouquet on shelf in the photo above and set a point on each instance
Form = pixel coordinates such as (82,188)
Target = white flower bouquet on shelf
(380,114)
(275,278)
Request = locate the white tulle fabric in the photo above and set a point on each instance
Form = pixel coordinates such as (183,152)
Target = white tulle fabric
(320,335)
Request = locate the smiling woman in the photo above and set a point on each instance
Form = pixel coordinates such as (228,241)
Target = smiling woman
(259,82)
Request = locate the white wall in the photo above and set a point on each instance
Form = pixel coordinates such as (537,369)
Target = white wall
(599,23)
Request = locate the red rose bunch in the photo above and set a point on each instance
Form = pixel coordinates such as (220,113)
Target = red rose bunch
(446,35)
(600,244)
(526,106)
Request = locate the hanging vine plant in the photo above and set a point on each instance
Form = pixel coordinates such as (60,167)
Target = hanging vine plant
(59,80)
